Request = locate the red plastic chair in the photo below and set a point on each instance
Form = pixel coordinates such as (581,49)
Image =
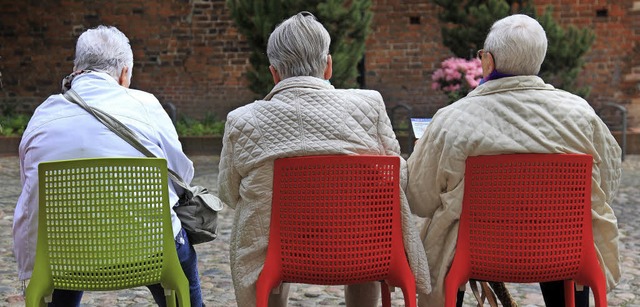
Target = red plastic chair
(527,218)
(335,220)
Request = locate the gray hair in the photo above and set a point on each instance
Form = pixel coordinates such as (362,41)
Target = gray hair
(518,44)
(299,46)
(104,49)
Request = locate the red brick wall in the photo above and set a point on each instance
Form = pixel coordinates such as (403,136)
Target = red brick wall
(190,54)
(185,52)
(613,64)
(401,54)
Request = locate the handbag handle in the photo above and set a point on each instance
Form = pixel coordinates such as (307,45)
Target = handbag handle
(120,130)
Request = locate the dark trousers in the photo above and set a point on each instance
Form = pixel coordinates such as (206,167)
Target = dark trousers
(188,261)
(553,294)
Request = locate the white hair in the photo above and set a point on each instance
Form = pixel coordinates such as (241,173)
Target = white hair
(104,49)
(518,45)
(299,46)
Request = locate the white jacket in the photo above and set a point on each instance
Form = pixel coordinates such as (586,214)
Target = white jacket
(305,116)
(60,129)
(510,115)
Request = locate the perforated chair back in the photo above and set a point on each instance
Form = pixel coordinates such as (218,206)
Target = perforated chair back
(335,220)
(105,224)
(526,218)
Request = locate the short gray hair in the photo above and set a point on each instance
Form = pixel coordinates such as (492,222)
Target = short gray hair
(104,49)
(518,44)
(299,46)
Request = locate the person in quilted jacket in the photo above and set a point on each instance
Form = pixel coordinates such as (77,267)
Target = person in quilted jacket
(303,115)
(512,111)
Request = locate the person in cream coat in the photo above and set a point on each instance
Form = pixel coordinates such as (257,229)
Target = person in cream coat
(303,115)
(512,111)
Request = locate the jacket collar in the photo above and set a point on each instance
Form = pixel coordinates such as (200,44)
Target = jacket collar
(299,83)
(510,84)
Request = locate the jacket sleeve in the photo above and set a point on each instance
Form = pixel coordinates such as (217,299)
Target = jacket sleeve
(177,160)
(158,134)
(228,177)
(388,140)
(610,164)
(428,172)
(607,173)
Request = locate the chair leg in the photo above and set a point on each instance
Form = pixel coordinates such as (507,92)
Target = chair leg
(38,293)
(452,284)
(170,297)
(386,294)
(599,295)
(402,278)
(264,286)
(409,292)
(569,293)
(183,294)
(593,277)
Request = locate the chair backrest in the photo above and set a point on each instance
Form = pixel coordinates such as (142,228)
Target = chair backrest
(335,220)
(527,216)
(104,223)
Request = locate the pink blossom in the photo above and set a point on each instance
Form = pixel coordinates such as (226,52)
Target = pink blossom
(457,75)
(451,88)
(472,81)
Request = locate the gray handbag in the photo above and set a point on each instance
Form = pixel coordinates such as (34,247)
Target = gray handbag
(197,209)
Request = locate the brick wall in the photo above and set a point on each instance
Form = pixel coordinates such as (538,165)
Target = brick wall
(401,55)
(402,51)
(185,52)
(613,64)
(190,54)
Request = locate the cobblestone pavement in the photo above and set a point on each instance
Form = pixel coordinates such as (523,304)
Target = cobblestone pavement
(214,263)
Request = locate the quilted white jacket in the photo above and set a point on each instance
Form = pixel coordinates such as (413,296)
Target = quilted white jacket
(510,115)
(301,116)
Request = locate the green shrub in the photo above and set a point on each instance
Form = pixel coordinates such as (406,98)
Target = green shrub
(187,126)
(347,22)
(13,124)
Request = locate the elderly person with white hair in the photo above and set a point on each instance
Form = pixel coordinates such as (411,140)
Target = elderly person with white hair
(303,115)
(512,111)
(60,129)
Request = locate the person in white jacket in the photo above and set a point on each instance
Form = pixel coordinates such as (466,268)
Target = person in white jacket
(512,111)
(303,115)
(60,129)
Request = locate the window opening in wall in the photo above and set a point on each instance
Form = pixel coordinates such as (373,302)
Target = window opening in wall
(361,71)
(602,12)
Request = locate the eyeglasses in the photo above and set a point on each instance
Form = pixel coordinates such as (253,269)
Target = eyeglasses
(479,54)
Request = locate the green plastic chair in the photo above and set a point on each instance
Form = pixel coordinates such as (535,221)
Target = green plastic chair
(105,224)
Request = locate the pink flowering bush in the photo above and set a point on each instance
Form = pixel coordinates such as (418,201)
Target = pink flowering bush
(456,77)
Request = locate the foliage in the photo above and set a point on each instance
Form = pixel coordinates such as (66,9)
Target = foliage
(347,22)
(565,54)
(467,22)
(13,124)
(187,126)
(456,77)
